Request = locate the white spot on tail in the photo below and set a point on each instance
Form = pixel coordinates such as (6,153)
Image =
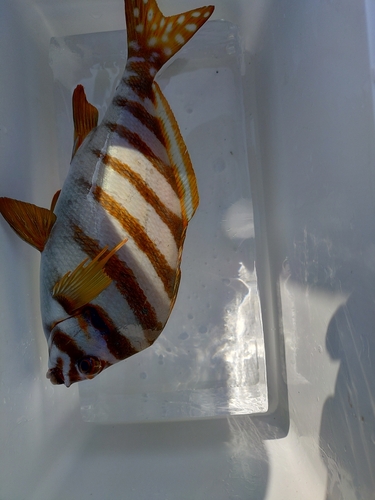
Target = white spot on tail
(134,45)
(153,71)
(181,19)
(196,14)
(136,59)
(162,22)
(206,14)
(150,14)
(191,27)
(152,41)
(168,29)
(154,27)
(164,38)
(179,38)
(139,28)
(145,1)
(136,12)
(167,51)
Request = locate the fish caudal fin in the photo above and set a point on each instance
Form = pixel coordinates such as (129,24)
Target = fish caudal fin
(150,32)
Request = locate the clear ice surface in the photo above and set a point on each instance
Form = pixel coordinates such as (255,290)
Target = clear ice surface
(210,358)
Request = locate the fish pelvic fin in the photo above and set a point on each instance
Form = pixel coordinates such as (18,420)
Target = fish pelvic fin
(33,224)
(156,37)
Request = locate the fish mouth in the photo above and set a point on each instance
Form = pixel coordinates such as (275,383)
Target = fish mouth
(55,376)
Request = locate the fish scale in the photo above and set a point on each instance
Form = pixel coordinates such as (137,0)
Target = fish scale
(112,243)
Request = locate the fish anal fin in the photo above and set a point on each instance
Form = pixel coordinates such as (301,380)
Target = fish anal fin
(33,224)
(178,156)
(79,287)
(149,30)
(85,117)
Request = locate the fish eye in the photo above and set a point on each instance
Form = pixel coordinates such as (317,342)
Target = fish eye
(89,366)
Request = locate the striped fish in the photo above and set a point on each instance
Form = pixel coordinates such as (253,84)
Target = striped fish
(112,240)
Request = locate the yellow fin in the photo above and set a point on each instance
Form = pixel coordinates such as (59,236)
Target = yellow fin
(78,288)
(150,32)
(33,224)
(178,156)
(85,117)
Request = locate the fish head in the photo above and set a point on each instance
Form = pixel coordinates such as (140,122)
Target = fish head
(77,351)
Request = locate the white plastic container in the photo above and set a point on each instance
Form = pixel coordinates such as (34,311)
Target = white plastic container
(293,142)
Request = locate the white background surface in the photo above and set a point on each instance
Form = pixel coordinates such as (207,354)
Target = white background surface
(314,141)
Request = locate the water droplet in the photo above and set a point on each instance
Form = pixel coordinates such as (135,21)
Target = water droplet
(190,316)
(183,336)
(219,165)
(202,329)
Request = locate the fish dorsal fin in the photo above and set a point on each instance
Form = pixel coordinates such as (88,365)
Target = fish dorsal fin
(33,224)
(178,156)
(148,30)
(85,117)
(79,287)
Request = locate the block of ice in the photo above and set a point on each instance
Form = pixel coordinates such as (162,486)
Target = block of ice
(210,359)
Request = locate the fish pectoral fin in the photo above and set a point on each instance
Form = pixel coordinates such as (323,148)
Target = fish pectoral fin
(85,117)
(33,224)
(79,287)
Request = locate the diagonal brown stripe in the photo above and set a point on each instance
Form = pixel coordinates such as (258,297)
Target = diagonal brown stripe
(138,144)
(139,84)
(125,281)
(67,344)
(118,345)
(174,222)
(142,240)
(146,118)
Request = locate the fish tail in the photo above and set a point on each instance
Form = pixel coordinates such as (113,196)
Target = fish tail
(156,37)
